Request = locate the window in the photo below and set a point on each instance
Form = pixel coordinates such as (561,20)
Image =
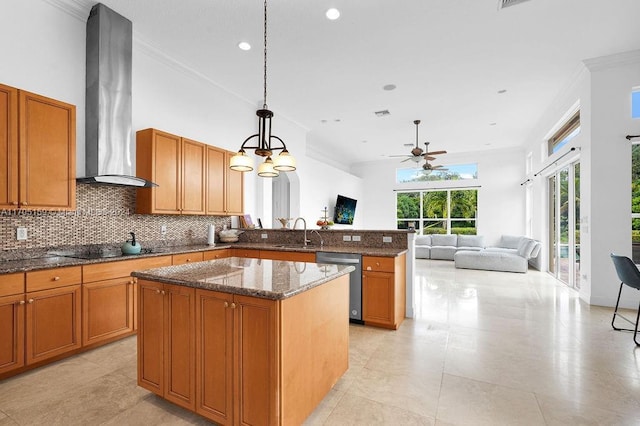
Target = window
(567,132)
(635,102)
(449,172)
(635,201)
(449,211)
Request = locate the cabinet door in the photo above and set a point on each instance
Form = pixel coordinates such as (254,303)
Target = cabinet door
(193,177)
(378,297)
(180,346)
(216,181)
(52,322)
(214,356)
(151,336)
(12,310)
(47,153)
(8,147)
(256,341)
(107,309)
(158,158)
(234,188)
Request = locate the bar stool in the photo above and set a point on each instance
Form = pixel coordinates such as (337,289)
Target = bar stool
(628,274)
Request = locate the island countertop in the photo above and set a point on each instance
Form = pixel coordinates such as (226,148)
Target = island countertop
(267,279)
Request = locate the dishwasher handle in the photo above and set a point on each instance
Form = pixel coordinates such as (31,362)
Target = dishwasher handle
(338,260)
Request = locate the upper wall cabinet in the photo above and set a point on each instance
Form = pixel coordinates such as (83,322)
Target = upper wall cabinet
(178,166)
(37,152)
(225,194)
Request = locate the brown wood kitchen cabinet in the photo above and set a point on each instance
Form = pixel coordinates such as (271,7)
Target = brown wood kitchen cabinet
(178,166)
(12,310)
(166,341)
(249,326)
(383,290)
(216,254)
(37,151)
(108,298)
(225,187)
(181,259)
(53,319)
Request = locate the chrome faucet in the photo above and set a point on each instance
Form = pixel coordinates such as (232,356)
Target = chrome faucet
(319,236)
(305,228)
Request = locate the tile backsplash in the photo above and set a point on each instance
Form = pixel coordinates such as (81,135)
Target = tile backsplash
(104,215)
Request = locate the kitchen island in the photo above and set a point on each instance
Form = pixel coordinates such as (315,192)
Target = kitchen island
(243,341)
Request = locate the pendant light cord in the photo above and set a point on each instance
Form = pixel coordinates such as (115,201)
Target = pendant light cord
(265,55)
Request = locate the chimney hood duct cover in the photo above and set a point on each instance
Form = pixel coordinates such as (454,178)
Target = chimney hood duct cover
(108,134)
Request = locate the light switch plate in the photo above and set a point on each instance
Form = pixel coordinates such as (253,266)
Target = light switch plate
(163,229)
(346,238)
(21,234)
(264,236)
(355,238)
(387,239)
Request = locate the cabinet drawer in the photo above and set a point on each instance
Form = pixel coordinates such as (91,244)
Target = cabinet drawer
(53,278)
(180,259)
(11,284)
(216,254)
(122,268)
(380,264)
(246,253)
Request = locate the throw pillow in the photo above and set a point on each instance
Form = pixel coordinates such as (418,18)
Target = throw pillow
(510,241)
(525,247)
(470,241)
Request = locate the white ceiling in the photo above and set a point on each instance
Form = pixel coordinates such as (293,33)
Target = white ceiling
(448,59)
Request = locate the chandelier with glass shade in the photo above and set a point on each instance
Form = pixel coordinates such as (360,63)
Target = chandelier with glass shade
(264,143)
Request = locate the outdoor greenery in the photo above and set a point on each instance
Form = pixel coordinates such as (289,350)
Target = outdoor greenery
(433,212)
(635,192)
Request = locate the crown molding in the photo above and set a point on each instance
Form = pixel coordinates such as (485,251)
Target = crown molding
(613,61)
(74,8)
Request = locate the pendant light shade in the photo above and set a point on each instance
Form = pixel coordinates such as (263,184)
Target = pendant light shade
(266,169)
(263,142)
(241,162)
(284,162)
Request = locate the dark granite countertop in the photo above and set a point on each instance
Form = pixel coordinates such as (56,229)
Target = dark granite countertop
(56,259)
(267,279)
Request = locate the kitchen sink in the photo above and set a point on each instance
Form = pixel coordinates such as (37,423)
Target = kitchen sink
(295,246)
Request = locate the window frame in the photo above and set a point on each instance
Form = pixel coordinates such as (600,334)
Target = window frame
(559,138)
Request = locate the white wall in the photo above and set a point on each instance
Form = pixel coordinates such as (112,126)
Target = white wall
(603,90)
(44,52)
(501,199)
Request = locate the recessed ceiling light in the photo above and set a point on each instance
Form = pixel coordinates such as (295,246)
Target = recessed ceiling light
(332,14)
(382,113)
(389,87)
(243,45)
(501,91)
(492,124)
(337,120)
(323,121)
(364,141)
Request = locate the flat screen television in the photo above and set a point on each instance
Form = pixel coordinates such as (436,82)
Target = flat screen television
(345,210)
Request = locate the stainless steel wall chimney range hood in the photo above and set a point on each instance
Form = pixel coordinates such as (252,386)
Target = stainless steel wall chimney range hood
(108,134)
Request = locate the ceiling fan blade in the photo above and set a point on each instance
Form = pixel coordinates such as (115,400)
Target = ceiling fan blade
(435,152)
(406,159)
(428,157)
(403,155)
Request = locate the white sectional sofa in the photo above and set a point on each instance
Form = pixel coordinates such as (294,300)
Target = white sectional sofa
(468,251)
(444,247)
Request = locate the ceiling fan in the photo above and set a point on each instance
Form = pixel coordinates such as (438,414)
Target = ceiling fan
(417,153)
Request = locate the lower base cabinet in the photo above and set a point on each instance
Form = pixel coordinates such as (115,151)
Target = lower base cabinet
(107,309)
(53,323)
(229,324)
(257,361)
(166,343)
(12,317)
(383,291)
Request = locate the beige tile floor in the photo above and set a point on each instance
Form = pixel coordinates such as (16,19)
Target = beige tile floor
(486,348)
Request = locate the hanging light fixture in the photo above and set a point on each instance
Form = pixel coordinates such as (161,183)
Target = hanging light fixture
(265,143)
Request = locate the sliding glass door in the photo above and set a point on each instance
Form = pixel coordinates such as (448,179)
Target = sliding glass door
(564,224)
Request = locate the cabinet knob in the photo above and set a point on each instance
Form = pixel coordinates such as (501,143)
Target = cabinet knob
(188,260)
(21,302)
(25,204)
(157,291)
(233,305)
(377,263)
(226,304)
(30,300)
(368,268)
(56,278)
(162,292)
(131,282)
(15,203)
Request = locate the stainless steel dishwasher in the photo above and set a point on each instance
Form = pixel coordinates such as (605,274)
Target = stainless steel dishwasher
(355,279)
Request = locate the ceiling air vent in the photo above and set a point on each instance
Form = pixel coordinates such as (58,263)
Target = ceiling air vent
(382,113)
(506,3)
